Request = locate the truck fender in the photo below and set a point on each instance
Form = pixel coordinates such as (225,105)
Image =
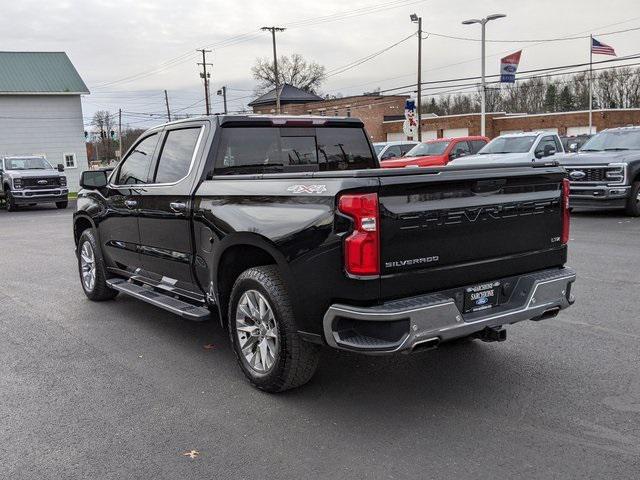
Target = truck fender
(217,288)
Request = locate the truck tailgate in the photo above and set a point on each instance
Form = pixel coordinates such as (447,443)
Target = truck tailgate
(449,228)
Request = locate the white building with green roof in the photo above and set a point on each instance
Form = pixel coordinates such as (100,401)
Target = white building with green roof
(41,110)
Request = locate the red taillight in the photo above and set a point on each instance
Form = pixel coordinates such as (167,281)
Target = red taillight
(362,247)
(565,211)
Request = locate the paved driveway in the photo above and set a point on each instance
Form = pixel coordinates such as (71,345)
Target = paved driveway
(121,390)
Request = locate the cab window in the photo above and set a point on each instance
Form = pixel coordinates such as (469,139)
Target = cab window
(135,168)
(176,155)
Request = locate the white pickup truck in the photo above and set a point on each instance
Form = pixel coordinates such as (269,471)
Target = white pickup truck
(516,148)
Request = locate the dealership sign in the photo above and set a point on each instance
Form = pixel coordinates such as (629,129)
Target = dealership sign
(509,66)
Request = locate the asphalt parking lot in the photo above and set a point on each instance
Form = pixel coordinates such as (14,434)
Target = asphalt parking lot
(120,390)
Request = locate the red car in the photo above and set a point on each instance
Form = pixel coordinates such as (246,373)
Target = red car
(437,152)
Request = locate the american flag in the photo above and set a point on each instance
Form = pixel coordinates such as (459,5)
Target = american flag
(601,48)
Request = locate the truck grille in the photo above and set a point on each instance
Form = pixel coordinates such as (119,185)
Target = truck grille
(585,175)
(40,183)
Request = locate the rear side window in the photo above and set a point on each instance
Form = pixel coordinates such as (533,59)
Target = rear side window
(405,147)
(135,168)
(476,145)
(176,154)
(289,149)
(344,149)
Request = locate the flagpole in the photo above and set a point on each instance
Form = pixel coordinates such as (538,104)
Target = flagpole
(590,84)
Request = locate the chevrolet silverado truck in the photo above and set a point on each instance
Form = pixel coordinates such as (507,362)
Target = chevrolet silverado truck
(29,180)
(605,173)
(286,230)
(539,146)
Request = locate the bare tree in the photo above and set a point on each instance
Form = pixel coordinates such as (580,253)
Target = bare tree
(294,70)
(104,122)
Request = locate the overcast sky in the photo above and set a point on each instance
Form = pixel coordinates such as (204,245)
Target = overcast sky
(129,51)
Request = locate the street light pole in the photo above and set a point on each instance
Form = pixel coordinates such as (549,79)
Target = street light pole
(483,89)
(415,19)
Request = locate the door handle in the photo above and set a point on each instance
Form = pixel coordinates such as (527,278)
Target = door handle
(130,203)
(178,206)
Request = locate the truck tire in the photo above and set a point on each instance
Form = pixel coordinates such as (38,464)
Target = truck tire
(62,205)
(633,202)
(264,335)
(92,270)
(10,203)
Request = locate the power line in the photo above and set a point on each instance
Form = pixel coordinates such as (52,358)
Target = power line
(540,40)
(575,65)
(366,58)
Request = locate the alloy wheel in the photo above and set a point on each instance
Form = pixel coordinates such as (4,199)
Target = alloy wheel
(257,331)
(88,266)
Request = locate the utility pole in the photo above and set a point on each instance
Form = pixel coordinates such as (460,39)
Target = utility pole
(273,31)
(415,19)
(120,131)
(204,75)
(166,101)
(223,92)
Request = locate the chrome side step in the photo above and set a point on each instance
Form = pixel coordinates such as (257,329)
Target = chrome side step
(166,302)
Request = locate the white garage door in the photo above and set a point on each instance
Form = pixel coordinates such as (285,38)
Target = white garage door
(395,137)
(455,132)
(505,132)
(429,135)
(573,131)
(554,130)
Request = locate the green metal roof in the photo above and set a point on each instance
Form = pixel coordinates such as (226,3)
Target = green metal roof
(39,72)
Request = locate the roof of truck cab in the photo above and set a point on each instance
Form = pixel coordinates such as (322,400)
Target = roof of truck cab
(529,134)
(274,119)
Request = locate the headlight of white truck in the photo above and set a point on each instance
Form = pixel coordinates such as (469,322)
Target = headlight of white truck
(17,183)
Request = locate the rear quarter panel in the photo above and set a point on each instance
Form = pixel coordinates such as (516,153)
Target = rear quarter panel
(295,221)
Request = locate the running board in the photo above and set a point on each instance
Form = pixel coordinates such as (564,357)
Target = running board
(166,302)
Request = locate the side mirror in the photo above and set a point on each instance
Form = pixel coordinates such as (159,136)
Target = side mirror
(60,167)
(573,147)
(549,150)
(93,179)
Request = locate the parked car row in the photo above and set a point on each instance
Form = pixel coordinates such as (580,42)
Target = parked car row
(604,171)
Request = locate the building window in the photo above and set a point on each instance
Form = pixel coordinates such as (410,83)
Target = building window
(69,160)
(349,112)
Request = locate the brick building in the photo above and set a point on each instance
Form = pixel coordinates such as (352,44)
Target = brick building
(371,109)
(563,123)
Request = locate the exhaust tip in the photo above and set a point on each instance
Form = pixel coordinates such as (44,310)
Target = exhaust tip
(427,344)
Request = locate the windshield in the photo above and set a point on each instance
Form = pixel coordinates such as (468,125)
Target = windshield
(509,145)
(427,149)
(613,140)
(378,147)
(27,163)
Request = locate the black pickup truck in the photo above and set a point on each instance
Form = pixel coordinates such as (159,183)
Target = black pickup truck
(286,230)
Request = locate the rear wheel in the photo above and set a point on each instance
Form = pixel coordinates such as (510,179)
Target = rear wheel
(93,273)
(263,332)
(62,205)
(633,202)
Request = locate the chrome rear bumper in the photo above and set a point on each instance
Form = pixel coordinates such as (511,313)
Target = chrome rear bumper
(402,325)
